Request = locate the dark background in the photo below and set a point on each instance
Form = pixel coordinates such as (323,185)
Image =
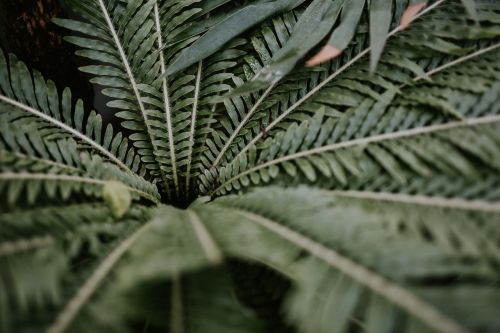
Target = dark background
(26,31)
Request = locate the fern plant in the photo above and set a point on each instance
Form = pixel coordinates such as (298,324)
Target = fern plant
(244,192)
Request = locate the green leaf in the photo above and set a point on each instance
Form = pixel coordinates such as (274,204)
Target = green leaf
(380,22)
(229,28)
(470,6)
(313,25)
(343,34)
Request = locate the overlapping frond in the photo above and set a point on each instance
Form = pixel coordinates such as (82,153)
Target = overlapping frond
(35,160)
(389,111)
(169,115)
(120,38)
(338,20)
(345,82)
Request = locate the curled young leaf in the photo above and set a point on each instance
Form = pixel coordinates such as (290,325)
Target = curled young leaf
(118,198)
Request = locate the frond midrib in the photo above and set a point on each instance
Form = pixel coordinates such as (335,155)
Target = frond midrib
(420,200)
(241,125)
(207,243)
(21,245)
(193,125)
(166,101)
(59,165)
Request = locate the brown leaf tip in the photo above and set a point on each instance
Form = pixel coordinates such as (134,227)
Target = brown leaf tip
(410,14)
(328,52)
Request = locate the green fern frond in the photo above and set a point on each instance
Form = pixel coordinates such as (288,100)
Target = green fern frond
(250,193)
(122,71)
(351,84)
(373,109)
(358,264)
(27,96)
(33,246)
(60,170)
